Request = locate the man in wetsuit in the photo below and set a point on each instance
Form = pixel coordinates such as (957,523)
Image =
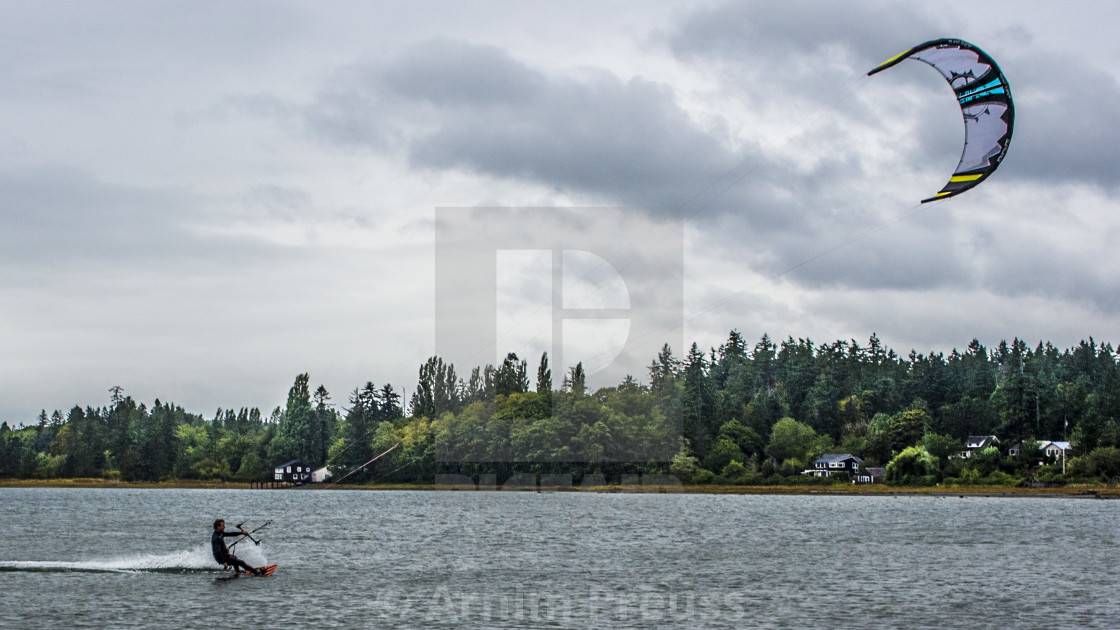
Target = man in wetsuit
(221,552)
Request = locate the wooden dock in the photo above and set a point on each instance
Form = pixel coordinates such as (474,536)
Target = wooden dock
(270,485)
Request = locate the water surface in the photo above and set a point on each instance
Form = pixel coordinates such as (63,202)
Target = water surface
(132,558)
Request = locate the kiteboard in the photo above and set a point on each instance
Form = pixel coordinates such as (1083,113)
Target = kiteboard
(267,570)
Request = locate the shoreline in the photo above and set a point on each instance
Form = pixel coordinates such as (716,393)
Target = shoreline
(1087,491)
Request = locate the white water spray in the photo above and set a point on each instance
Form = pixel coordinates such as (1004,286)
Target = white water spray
(188,561)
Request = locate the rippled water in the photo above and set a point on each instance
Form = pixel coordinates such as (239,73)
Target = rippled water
(140,558)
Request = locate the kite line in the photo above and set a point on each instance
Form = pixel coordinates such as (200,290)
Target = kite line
(269,522)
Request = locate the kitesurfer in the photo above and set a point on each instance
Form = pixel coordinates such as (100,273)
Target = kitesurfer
(221,552)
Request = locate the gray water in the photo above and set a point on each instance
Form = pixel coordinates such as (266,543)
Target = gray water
(113,558)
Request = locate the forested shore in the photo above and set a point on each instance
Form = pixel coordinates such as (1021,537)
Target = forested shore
(737,414)
(1079,490)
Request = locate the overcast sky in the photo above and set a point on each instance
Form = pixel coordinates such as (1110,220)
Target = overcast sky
(199,200)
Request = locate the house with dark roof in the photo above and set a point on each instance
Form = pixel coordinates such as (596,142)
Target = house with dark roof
(292,472)
(831,463)
(977,443)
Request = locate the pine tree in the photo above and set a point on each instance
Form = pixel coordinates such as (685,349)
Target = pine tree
(544,376)
(512,376)
(576,381)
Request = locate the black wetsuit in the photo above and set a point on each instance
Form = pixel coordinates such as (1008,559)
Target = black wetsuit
(221,552)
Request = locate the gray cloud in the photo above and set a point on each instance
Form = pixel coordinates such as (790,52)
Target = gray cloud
(773,39)
(449,74)
(1064,134)
(459,106)
(61,212)
(176,34)
(178,145)
(454,106)
(1065,129)
(54,217)
(1066,105)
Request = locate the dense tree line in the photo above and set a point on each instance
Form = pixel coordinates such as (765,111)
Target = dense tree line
(736,413)
(128,441)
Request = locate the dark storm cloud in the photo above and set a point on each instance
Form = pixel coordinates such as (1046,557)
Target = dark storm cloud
(1065,124)
(768,54)
(456,106)
(1065,129)
(1064,134)
(831,242)
(448,73)
(803,210)
(961,245)
(453,106)
(1075,278)
(184,126)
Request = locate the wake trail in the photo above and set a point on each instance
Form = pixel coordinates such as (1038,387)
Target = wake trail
(197,560)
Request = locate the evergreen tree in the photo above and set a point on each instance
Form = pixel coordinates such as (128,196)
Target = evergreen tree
(512,376)
(698,403)
(544,376)
(438,390)
(354,448)
(718,409)
(1012,399)
(324,420)
(576,381)
(388,404)
(664,371)
(298,436)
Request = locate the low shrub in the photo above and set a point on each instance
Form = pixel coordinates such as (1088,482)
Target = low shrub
(703,477)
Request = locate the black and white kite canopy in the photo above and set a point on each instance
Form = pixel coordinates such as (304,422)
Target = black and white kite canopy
(985,99)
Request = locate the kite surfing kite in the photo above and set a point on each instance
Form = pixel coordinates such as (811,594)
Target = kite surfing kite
(985,100)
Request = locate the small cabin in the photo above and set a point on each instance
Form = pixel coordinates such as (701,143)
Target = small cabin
(292,472)
(976,443)
(1055,450)
(321,475)
(870,475)
(1046,448)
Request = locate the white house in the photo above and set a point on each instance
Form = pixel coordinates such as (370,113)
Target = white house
(321,475)
(871,475)
(1057,449)
(1053,450)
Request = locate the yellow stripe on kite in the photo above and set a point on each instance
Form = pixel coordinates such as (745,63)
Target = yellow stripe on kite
(893,58)
(964,178)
